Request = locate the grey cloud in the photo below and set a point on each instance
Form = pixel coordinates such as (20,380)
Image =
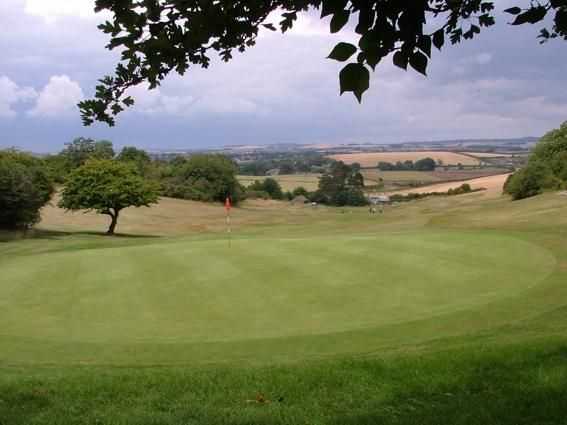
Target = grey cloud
(284,90)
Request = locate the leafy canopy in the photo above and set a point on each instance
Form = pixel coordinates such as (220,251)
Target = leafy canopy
(341,185)
(204,177)
(270,186)
(107,187)
(25,187)
(546,169)
(82,149)
(157,37)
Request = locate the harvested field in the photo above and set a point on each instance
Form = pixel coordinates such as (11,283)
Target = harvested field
(488,154)
(458,175)
(371,159)
(492,184)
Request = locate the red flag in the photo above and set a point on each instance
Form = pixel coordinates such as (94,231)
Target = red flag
(227,204)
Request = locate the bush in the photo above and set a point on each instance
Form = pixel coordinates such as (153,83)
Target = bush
(300,191)
(530,181)
(546,169)
(206,177)
(257,194)
(349,196)
(269,186)
(25,187)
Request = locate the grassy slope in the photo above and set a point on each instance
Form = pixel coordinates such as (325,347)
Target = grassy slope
(509,372)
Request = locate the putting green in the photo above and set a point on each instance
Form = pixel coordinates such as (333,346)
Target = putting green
(193,292)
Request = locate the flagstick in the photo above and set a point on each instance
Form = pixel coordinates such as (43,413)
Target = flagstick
(228,229)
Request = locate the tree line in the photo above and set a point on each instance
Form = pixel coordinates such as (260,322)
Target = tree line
(425,164)
(93,177)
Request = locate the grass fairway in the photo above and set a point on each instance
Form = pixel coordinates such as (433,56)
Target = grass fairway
(449,310)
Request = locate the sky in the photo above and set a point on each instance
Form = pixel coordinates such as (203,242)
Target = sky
(502,84)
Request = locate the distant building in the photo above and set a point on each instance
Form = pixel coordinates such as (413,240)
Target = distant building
(379,199)
(299,200)
(273,172)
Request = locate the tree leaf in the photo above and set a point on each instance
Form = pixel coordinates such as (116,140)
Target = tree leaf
(339,20)
(513,11)
(424,44)
(532,16)
(418,61)
(342,52)
(439,38)
(355,78)
(401,60)
(271,27)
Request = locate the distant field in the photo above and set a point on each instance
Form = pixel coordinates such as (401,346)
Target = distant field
(287,181)
(373,158)
(492,184)
(488,155)
(372,177)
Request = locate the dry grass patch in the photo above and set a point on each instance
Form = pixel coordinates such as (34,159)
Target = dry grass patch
(174,217)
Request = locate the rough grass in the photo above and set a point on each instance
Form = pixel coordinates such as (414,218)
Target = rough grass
(501,362)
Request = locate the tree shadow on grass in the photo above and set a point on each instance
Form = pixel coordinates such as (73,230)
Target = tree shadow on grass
(39,234)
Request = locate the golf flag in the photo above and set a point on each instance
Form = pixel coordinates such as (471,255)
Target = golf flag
(228,206)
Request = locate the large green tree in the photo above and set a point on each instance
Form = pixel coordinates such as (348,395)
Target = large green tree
(157,37)
(341,185)
(269,186)
(204,177)
(138,157)
(546,168)
(25,187)
(107,187)
(81,149)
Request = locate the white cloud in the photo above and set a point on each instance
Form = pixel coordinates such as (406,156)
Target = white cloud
(50,10)
(10,94)
(156,102)
(483,58)
(59,97)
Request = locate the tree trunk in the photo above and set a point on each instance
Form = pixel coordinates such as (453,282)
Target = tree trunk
(114,217)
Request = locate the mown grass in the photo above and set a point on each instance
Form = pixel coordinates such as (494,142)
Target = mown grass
(502,363)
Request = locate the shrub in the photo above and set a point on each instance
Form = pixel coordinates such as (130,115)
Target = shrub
(546,169)
(25,187)
(206,177)
(530,181)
